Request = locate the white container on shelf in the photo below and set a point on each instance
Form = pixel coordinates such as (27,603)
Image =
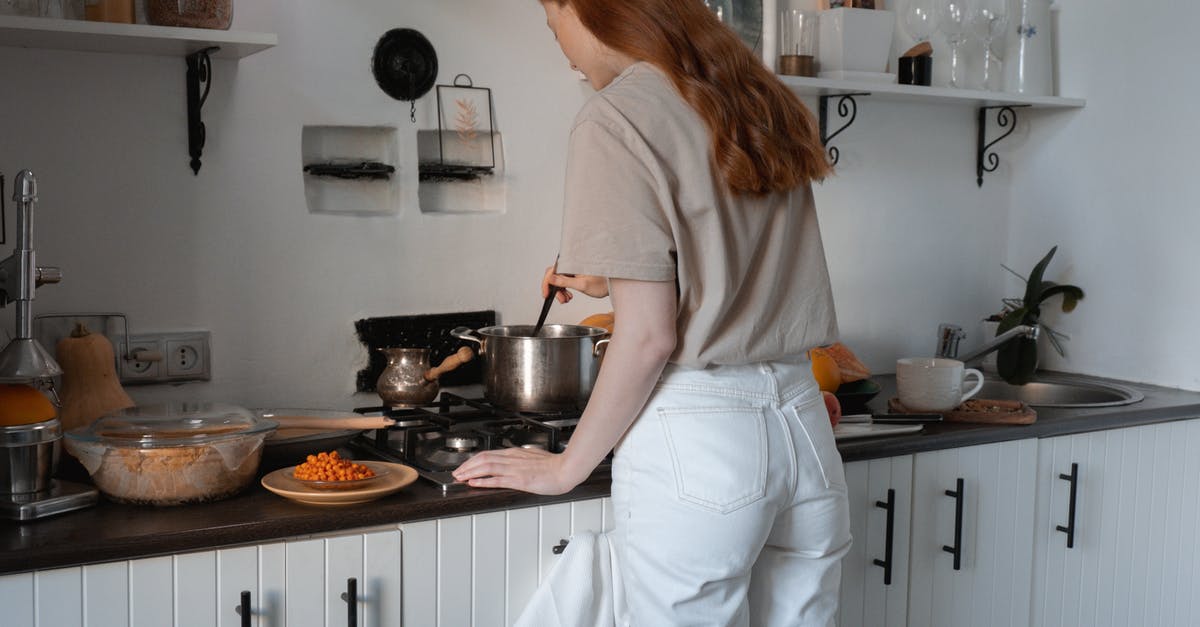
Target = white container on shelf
(1028,68)
(855,40)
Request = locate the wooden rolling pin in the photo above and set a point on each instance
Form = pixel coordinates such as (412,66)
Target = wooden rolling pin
(315,422)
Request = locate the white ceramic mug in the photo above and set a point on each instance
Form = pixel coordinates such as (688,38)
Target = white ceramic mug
(934,384)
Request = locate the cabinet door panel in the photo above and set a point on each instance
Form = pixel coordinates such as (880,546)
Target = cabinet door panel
(488,587)
(343,561)
(381,572)
(992,586)
(1134,555)
(105,594)
(305,568)
(454,571)
(419,558)
(865,599)
(237,571)
(196,589)
(59,597)
(587,516)
(16,597)
(272,578)
(521,570)
(554,527)
(150,592)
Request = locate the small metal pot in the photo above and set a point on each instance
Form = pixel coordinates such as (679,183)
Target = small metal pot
(554,371)
(28,455)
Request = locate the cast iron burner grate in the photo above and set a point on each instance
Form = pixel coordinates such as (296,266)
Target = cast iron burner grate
(437,437)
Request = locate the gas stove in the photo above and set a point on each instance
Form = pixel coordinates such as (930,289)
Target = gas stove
(435,438)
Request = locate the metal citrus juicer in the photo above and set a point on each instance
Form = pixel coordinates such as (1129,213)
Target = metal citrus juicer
(29,452)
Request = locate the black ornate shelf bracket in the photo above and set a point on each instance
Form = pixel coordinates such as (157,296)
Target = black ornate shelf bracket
(1006,117)
(847,109)
(199,74)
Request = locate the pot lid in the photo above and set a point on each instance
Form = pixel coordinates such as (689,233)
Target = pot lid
(404,64)
(173,424)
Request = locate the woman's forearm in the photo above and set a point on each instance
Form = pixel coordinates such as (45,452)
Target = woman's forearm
(642,342)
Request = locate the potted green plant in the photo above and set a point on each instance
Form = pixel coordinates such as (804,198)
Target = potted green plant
(1017,360)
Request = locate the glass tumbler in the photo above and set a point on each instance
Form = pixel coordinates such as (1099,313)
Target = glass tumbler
(797,42)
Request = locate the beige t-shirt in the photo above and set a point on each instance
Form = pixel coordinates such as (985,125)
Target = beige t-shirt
(643,202)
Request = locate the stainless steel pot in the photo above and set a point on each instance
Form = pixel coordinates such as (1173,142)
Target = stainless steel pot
(28,455)
(554,371)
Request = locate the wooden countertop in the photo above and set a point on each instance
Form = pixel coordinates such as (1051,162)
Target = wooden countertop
(109,532)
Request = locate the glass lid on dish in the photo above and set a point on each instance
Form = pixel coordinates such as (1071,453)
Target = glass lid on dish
(174,424)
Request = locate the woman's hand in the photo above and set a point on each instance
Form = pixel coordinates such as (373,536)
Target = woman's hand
(594,286)
(528,470)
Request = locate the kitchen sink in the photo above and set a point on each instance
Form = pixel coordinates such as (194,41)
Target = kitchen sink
(1060,390)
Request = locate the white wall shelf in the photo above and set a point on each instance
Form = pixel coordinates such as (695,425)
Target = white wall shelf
(196,45)
(1002,103)
(56,34)
(804,86)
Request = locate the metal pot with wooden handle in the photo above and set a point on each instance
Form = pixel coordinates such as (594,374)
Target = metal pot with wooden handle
(408,381)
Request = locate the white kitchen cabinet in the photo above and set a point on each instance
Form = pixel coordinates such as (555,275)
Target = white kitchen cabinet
(1134,554)
(980,501)
(295,584)
(318,573)
(875,590)
(481,570)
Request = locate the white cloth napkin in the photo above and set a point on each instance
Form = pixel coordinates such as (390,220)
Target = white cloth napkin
(583,588)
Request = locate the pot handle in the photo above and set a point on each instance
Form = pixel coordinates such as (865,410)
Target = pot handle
(466,333)
(599,344)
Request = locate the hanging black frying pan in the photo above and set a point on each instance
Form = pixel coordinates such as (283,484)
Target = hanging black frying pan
(405,65)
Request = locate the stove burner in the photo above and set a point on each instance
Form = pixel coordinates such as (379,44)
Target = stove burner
(447,459)
(438,437)
(461,442)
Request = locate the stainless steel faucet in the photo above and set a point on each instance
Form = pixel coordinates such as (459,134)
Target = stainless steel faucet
(950,334)
(23,360)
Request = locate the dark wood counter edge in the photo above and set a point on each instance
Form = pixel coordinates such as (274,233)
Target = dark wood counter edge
(111,532)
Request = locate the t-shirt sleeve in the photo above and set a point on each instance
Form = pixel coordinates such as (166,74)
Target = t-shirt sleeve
(615,223)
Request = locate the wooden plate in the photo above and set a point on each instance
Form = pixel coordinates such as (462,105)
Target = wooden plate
(397,477)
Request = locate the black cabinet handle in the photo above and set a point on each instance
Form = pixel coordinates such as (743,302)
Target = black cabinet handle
(956,550)
(890,507)
(560,547)
(1070,528)
(350,596)
(243,610)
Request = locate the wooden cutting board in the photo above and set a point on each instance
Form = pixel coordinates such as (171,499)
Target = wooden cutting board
(979,411)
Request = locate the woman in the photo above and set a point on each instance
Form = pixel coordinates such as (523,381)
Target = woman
(688,203)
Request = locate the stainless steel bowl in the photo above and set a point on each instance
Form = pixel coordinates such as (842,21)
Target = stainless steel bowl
(28,455)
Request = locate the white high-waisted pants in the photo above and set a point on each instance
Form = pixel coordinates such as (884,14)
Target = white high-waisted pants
(730,502)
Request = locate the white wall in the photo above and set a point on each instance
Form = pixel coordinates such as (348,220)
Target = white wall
(911,240)
(1114,186)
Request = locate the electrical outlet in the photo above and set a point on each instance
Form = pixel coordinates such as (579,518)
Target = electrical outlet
(147,370)
(168,358)
(186,356)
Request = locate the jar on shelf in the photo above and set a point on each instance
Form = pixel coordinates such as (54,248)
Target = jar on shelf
(190,13)
(120,11)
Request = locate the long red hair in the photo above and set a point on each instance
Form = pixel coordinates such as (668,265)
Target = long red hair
(764,139)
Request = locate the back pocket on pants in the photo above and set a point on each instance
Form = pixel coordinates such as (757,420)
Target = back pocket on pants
(719,455)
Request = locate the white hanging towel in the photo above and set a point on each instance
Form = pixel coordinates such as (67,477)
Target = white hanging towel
(583,588)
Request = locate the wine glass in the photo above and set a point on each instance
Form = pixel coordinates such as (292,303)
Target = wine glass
(988,23)
(953,19)
(918,20)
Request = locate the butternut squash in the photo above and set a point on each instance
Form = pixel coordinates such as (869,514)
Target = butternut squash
(91,388)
